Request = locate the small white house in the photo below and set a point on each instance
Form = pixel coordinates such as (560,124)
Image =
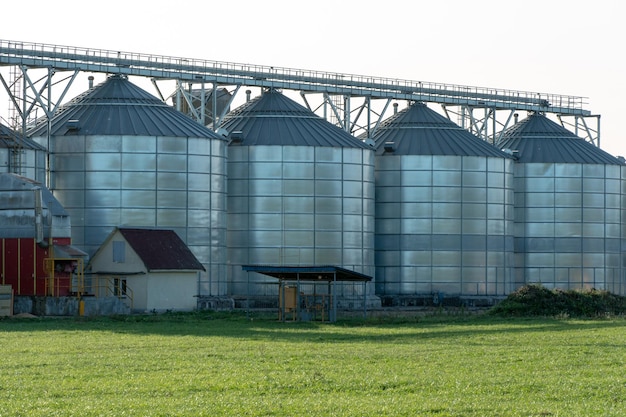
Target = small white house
(152,269)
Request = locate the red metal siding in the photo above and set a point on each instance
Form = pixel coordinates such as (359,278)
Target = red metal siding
(23,267)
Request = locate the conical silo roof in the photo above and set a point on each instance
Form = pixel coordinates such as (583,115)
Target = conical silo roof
(118,107)
(11,139)
(273,119)
(418,130)
(539,139)
(10,182)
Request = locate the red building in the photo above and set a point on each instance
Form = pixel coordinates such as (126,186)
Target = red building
(35,243)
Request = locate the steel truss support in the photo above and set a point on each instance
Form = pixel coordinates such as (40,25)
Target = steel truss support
(586,127)
(40,93)
(489,123)
(37,94)
(486,123)
(194,101)
(359,116)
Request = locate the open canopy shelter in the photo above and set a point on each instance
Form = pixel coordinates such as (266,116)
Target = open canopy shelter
(323,301)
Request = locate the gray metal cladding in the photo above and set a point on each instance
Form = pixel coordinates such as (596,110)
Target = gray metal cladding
(280,219)
(437,233)
(121,177)
(17,211)
(568,209)
(569,230)
(300,192)
(21,155)
(444,210)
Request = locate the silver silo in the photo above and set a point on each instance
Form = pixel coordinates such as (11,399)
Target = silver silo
(121,157)
(300,193)
(568,208)
(21,155)
(444,210)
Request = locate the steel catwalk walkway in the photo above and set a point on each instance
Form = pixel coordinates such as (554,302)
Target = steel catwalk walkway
(26,55)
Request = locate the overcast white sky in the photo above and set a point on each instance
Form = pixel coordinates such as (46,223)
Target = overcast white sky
(570,47)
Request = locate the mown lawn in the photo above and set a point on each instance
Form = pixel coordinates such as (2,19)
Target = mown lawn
(227,365)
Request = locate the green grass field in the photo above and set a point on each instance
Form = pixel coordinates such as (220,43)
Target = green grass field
(226,365)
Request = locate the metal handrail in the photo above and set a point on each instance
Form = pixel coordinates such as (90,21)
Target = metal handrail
(199,70)
(109,289)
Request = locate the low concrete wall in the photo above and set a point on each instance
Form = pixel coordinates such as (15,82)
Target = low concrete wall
(215,303)
(69,306)
(439,300)
(269,302)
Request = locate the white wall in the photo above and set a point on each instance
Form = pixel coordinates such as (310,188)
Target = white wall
(103,259)
(172,291)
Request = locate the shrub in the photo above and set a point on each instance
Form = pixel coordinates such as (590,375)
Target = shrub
(536,300)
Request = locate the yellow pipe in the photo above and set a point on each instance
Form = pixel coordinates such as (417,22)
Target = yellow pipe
(19,266)
(3,263)
(34,267)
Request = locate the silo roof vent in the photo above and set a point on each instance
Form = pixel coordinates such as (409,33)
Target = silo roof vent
(72,124)
(236,136)
(512,152)
(390,147)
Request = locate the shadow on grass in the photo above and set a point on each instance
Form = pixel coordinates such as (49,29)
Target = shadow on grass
(266,327)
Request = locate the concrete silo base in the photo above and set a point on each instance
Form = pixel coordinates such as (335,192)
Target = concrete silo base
(215,303)
(439,300)
(271,302)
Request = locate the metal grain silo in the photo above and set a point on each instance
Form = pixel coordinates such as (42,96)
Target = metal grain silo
(21,155)
(568,208)
(444,210)
(121,157)
(300,192)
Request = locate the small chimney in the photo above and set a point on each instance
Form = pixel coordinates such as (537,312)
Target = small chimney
(90,81)
(248,92)
(395,108)
(515,117)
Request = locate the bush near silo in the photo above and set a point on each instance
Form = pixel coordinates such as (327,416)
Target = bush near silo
(536,300)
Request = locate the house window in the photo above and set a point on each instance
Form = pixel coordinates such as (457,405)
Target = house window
(119,252)
(119,287)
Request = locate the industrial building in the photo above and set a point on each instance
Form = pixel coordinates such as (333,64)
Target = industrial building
(121,157)
(300,193)
(444,210)
(36,251)
(419,207)
(21,155)
(569,208)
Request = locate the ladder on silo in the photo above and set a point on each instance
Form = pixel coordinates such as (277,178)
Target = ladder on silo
(15,120)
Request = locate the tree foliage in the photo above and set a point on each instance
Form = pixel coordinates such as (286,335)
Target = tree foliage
(537,300)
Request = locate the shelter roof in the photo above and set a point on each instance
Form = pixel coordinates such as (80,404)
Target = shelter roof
(68,251)
(541,140)
(119,107)
(274,119)
(307,273)
(418,130)
(161,249)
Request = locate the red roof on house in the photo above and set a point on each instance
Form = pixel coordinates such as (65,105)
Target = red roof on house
(161,249)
